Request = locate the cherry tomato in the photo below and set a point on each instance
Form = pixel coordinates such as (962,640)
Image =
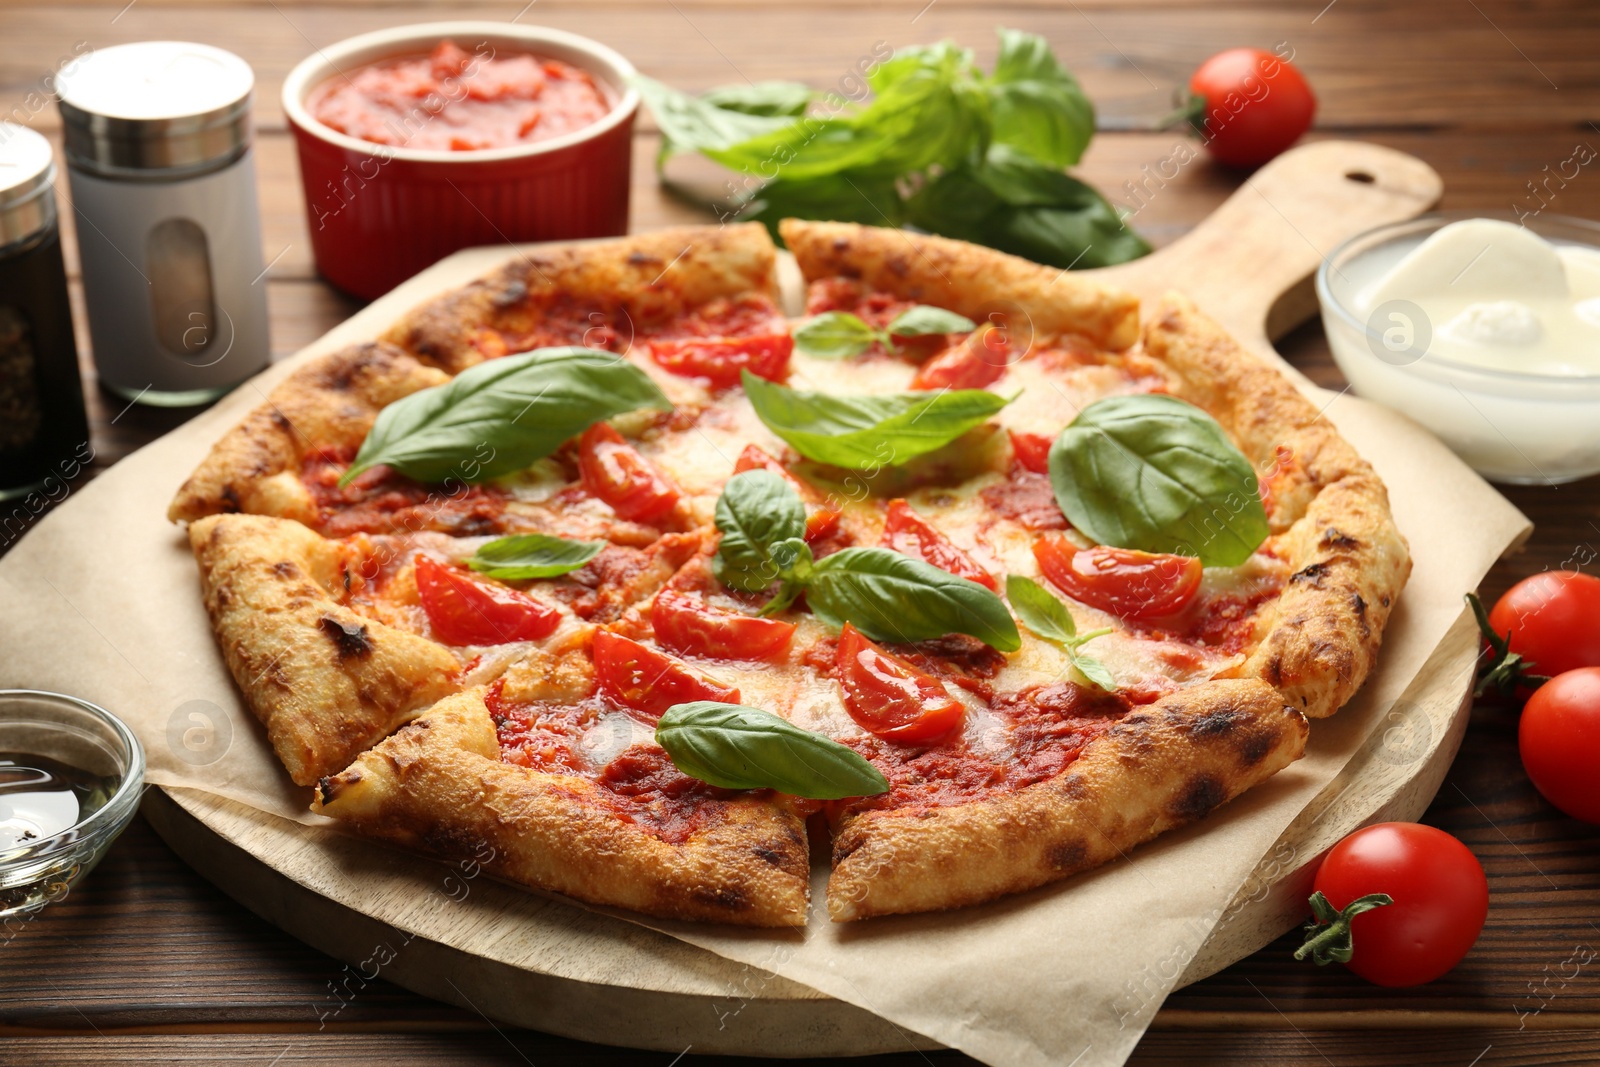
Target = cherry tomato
(1553,619)
(1559,737)
(720,359)
(614,471)
(889,697)
(1032,451)
(1255,105)
(686,623)
(907,532)
(1441,899)
(1129,584)
(821,520)
(640,678)
(466,611)
(980,359)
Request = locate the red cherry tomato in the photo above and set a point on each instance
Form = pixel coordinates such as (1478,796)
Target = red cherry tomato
(980,359)
(1032,451)
(614,471)
(907,532)
(720,359)
(465,611)
(1256,105)
(889,697)
(1559,737)
(1440,900)
(1553,619)
(685,623)
(648,681)
(821,520)
(1129,584)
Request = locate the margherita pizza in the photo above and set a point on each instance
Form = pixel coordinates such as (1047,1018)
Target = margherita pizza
(603,562)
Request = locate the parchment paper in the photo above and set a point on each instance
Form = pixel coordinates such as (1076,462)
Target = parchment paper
(101,600)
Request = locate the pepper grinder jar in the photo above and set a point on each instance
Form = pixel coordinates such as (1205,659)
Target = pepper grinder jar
(158,146)
(44,437)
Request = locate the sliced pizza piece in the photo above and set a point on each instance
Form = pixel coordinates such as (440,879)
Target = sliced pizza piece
(557,795)
(706,282)
(326,680)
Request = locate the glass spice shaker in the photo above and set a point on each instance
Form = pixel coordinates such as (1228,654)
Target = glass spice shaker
(43,431)
(158,146)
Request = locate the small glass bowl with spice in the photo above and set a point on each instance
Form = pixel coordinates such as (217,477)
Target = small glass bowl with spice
(71,775)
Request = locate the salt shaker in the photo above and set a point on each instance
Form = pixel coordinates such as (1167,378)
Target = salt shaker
(44,437)
(158,146)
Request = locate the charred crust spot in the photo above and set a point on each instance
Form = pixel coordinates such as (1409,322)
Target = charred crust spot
(1384,600)
(286,569)
(1333,538)
(230,498)
(1219,723)
(643,259)
(1202,793)
(280,420)
(351,639)
(1272,673)
(511,294)
(774,856)
(1253,747)
(1359,606)
(1071,786)
(727,897)
(843,849)
(447,841)
(326,790)
(1067,855)
(1312,573)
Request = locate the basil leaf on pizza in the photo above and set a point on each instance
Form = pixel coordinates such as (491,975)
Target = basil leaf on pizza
(1048,617)
(924,319)
(503,414)
(864,432)
(533,556)
(738,747)
(757,510)
(1157,474)
(893,597)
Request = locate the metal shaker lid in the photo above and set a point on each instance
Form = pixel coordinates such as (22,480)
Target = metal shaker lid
(27,170)
(156,109)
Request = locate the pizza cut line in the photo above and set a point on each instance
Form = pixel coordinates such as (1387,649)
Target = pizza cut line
(438,697)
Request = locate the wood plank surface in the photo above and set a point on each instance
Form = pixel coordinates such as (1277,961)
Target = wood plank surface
(145,962)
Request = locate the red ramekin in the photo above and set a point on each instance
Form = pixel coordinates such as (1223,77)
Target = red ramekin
(380,213)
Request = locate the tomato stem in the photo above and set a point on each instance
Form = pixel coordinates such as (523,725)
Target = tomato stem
(1506,670)
(1328,937)
(1191,112)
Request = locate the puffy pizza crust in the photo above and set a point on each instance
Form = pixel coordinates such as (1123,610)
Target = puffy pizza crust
(439,785)
(965,278)
(1158,768)
(647,277)
(326,681)
(333,401)
(1318,641)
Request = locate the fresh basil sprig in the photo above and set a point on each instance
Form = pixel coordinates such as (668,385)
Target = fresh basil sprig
(503,414)
(868,431)
(738,747)
(886,595)
(1049,618)
(840,335)
(756,511)
(533,556)
(1155,473)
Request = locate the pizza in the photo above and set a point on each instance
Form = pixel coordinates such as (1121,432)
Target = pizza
(606,568)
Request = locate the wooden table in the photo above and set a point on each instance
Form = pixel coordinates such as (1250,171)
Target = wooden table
(147,962)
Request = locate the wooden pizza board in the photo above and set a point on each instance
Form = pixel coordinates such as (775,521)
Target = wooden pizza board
(543,962)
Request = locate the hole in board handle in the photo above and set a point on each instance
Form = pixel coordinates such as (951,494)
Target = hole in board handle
(1360,176)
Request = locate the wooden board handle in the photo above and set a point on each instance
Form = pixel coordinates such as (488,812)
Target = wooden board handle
(1267,239)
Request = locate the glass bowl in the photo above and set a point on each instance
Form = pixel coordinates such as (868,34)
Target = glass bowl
(106,765)
(1508,426)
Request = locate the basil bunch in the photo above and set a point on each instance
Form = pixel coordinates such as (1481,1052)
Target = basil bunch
(503,414)
(884,594)
(940,145)
(1049,618)
(868,432)
(1158,474)
(740,747)
(840,335)
(533,556)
